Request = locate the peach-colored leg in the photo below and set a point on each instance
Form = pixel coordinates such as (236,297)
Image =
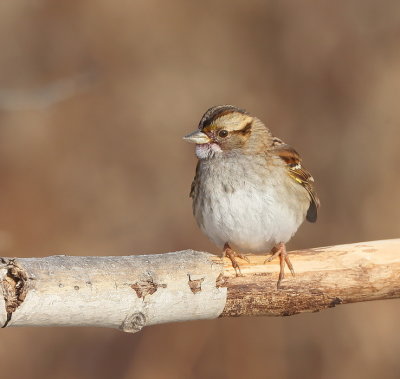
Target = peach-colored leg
(280,250)
(231,254)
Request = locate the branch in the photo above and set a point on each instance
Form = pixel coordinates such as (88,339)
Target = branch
(133,291)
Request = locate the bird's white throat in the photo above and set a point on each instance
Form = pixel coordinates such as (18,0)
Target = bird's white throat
(207,150)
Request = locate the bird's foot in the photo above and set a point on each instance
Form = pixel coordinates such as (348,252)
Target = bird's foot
(231,254)
(280,250)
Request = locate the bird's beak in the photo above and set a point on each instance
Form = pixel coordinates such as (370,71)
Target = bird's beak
(197,137)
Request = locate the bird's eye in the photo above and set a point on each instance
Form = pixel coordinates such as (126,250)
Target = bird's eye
(223,133)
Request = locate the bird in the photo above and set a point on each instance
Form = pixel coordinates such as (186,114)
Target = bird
(250,192)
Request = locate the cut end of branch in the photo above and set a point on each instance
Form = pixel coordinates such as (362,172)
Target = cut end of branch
(14,286)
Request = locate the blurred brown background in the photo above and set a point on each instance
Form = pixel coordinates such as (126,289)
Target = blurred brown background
(94,99)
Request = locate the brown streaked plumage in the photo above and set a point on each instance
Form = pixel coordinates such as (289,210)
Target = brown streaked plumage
(250,191)
(295,170)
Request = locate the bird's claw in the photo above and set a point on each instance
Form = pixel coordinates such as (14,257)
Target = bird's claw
(231,254)
(280,250)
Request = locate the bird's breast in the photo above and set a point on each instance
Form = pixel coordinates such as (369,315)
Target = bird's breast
(246,204)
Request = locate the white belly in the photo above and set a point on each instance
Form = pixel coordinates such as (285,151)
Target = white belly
(249,219)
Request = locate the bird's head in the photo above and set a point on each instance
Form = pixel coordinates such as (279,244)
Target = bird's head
(223,128)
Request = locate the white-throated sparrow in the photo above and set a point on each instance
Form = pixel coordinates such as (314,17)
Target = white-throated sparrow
(250,191)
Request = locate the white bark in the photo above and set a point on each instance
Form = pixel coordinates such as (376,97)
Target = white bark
(118,292)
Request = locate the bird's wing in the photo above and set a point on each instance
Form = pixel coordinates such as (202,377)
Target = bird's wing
(298,173)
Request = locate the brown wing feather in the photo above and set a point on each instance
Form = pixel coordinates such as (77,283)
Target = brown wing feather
(298,173)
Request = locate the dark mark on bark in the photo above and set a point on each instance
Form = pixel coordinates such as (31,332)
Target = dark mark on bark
(76,288)
(316,291)
(14,287)
(265,274)
(289,313)
(394,293)
(221,281)
(227,188)
(195,284)
(146,287)
(334,302)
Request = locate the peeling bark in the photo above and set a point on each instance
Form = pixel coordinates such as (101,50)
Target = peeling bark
(195,284)
(325,277)
(146,287)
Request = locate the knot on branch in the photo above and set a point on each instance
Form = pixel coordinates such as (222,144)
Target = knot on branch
(133,323)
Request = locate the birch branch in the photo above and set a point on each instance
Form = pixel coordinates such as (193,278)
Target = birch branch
(131,292)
